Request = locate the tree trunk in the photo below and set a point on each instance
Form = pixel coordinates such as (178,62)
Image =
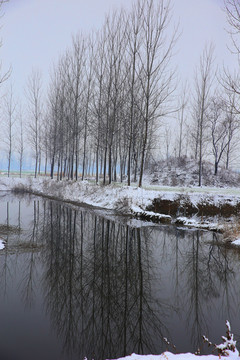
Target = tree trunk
(52,167)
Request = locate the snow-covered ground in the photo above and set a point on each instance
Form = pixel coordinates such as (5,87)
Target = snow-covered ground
(2,244)
(236,242)
(130,200)
(186,356)
(119,196)
(185,172)
(227,349)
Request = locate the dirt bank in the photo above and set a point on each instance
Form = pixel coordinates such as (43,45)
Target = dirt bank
(183,206)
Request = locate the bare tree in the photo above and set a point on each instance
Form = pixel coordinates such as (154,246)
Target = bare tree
(232,119)
(232,9)
(203,85)
(4,75)
(135,34)
(181,119)
(88,95)
(34,97)
(58,131)
(114,33)
(20,140)
(75,84)
(9,121)
(231,80)
(219,129)
(99,69)
(155,72)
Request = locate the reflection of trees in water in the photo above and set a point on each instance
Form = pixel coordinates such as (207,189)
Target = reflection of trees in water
(227,274)
(208,271)
(23,243)
(202,276)
(106,284)
(29,284)
(98,286)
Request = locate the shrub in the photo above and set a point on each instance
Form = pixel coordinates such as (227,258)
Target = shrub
(229,344)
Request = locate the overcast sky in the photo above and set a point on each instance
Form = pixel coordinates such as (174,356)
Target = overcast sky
(35,32)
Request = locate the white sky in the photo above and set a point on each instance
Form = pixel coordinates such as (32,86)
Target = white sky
(35,32)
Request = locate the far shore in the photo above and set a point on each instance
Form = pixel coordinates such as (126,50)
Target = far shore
(215,209)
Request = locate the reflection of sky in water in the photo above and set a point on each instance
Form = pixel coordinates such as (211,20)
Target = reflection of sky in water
(13,203)
(79,285)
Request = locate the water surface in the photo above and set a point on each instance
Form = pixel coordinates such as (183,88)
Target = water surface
(76,284)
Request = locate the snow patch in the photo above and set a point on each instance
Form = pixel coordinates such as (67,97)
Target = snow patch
(236,242)
(199,224)
(186,356)
(2,244)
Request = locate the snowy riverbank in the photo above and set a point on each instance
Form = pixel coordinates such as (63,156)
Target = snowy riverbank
(186,356)
(139,202)
(227,349)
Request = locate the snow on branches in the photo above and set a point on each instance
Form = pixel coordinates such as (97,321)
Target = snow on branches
(228,345)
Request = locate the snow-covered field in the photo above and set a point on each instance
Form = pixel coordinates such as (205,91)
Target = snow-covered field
(119,196)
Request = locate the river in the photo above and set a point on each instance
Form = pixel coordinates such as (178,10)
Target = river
(80,283)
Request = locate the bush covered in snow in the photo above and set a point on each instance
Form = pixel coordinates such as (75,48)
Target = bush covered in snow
(184,172)
(228,346)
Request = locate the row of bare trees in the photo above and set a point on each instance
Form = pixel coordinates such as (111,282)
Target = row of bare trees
(208,119)
(215,120)
(215,123)
(14,131)
(109,93)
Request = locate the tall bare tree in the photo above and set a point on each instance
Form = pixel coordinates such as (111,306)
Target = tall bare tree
(35,105)
(156,74)
(233,125)
(181,119)
(58,130)
(9,121)
(76,82)
(219,129)
(135,34)
(232,9)
(87,97)
(4,75)
(231,80)
(99,70)
(20,139)
(203,85)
